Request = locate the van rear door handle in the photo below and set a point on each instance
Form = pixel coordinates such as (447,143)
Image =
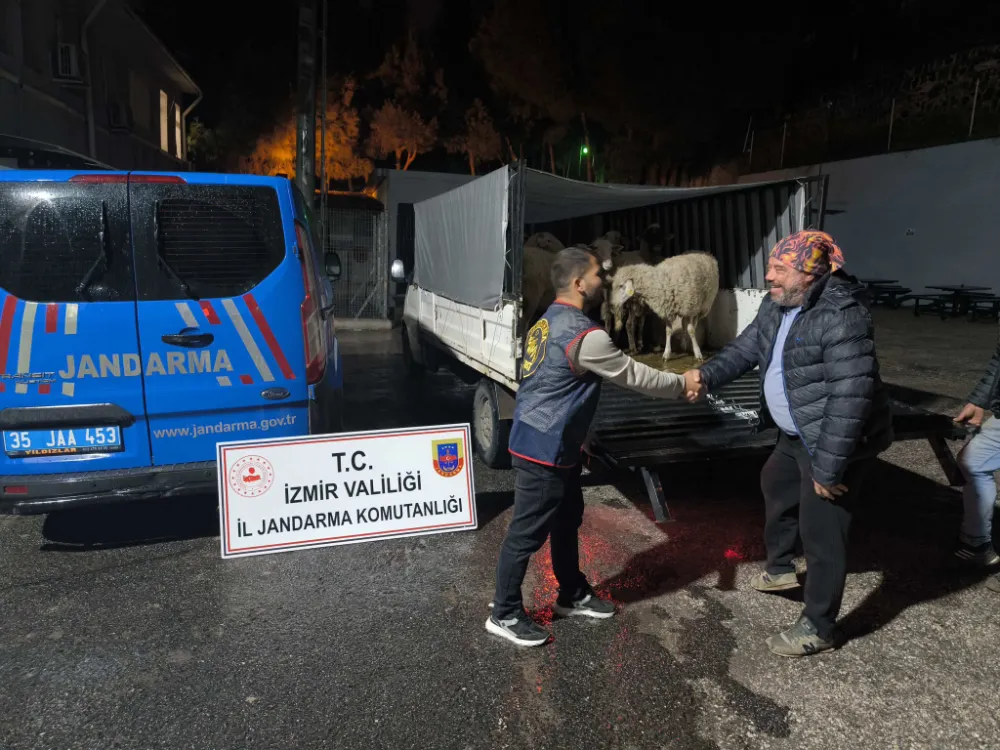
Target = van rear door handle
(189,340)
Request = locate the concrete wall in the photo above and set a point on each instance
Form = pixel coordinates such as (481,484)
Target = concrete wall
(733,311)
(923,217)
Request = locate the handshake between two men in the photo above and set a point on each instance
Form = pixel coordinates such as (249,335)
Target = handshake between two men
(694,388)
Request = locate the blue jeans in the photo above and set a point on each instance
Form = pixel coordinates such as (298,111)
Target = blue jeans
(979,459)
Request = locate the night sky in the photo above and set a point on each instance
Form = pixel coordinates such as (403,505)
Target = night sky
(708,60)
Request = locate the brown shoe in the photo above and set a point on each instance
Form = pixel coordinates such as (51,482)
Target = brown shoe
(774,582)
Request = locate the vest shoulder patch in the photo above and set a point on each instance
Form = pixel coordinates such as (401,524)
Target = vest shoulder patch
(534,347)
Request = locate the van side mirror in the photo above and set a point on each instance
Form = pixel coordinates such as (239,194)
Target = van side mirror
(331,262)
(398,271)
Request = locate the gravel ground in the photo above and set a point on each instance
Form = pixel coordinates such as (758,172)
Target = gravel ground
(122,628)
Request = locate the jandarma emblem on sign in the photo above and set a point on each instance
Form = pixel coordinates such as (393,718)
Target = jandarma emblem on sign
(251,476)
(449,457)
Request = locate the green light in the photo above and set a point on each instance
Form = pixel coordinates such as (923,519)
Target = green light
(585,150)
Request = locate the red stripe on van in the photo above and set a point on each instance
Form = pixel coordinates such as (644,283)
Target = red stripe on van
(206,307)
(6,324)
(45,388)
(246,379)
(51,318)
(272,342)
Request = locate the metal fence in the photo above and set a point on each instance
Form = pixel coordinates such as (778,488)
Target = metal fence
(919,116)
(360,238)
(738,228)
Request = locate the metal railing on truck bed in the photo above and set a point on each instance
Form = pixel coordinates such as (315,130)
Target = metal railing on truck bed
(641,433)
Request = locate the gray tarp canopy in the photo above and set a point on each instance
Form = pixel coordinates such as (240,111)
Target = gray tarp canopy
(460,236)
(552,198)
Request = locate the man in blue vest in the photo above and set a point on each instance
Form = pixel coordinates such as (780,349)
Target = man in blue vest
(566,356)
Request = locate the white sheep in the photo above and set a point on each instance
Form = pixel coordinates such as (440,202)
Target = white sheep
(680,290)
(609,311)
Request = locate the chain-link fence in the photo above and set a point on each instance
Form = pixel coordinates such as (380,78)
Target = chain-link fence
(360,238)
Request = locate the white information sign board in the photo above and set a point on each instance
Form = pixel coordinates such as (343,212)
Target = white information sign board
(316,491)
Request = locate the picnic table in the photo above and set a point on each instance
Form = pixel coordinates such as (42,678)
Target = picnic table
(890,295)
(878,282)
(960,296)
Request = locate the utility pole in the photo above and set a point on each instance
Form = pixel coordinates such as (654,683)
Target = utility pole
(324,177)
(305,130)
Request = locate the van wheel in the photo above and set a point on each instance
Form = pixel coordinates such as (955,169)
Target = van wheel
(411,367)
(490,433)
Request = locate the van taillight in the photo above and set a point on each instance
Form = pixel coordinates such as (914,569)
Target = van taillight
(313,332)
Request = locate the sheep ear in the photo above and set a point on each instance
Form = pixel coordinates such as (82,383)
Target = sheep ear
(617,250)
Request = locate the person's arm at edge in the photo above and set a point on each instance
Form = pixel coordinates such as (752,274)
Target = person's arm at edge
(598,354)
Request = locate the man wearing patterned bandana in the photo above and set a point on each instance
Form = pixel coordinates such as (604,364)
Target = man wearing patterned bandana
(814,341)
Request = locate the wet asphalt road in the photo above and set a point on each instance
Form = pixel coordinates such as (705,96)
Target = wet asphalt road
(123,628)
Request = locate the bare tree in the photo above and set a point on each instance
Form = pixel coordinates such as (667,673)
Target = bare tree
(479,141)
(274,151)
(402,132)
(406,124)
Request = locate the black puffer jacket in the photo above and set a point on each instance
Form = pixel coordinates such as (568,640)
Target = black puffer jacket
(986,394)
(835,393)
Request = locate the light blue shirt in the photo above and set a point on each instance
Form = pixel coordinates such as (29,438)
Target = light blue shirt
(774,379)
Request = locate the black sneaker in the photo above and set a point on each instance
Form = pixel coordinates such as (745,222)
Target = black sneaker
(519,629)
(586,606)
(993,583)
(982,555)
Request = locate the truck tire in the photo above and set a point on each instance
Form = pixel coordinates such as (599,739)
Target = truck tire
(413,369)
(490,433)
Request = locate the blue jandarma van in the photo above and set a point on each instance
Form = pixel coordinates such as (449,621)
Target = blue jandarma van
(144,317)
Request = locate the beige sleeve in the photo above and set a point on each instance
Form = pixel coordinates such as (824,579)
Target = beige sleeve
(598,354)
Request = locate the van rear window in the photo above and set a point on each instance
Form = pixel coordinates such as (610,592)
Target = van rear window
(204,240)
(65,242)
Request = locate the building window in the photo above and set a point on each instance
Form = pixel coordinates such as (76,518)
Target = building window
(178,133)
(164,122)
(138,96)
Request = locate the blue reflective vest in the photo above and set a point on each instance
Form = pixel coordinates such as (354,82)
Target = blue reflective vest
(555,404)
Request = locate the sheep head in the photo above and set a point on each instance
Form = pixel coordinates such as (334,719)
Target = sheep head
(545,241)
(614,237)
(605,251)
(652,241)
(626,291)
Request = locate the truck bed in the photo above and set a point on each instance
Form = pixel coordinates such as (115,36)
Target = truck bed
(633,431)
(637,430)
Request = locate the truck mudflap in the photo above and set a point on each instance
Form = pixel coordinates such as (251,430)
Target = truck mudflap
(645,435)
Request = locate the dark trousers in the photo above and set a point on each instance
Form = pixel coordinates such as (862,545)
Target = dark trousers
(548,502)
(794,510)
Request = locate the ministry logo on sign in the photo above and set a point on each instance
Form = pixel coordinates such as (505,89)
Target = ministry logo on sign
(251,476)
(449,456)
